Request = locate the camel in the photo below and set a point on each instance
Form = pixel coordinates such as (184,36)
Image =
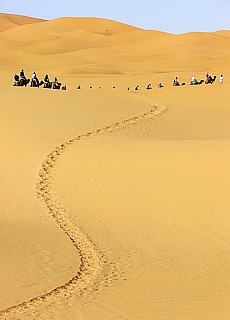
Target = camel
(210,80)
(47,84)
(177,84)
(193,83)
(35,83)
(23,82)
(56,85)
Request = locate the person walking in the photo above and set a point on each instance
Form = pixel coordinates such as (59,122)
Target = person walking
(221,79)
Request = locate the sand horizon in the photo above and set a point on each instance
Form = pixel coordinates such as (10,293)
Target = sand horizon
(114,202)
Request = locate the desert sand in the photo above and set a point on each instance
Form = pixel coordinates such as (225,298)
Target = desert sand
(114,203)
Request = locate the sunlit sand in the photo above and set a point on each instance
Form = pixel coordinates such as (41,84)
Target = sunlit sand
(114,202)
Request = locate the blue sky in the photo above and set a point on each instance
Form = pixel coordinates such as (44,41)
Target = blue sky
(177,16)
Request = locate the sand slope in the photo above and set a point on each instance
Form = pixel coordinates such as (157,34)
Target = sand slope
(9,21)
(112,46)
(114,203)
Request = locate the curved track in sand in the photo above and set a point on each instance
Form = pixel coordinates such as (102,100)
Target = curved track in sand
(92,262)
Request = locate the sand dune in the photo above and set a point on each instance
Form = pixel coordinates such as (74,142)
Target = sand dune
(9,21)
(225,33)
(123,38)
(122,49)
(114,203)
(63,25)
(84,35)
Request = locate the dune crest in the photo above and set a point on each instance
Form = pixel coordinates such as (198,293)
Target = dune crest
(9,21)
(91,44)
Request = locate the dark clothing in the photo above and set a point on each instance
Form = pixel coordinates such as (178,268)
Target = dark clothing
(22,75)
(46,78)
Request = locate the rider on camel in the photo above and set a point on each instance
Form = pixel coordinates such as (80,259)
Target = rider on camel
(175,82)
(35,79)
(194,81)
(22,75)
(46,79)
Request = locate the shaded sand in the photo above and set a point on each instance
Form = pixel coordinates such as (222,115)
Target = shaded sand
(114,203)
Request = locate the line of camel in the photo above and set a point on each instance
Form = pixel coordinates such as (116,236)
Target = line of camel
(22,81)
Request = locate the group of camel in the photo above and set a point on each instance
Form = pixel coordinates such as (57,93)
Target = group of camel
(209,80)
(194,81)
(22,81)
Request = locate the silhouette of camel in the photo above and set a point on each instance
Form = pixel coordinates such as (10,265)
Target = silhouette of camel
(23,82)
(210,80)
(35,83)
(47,84)
(197,83)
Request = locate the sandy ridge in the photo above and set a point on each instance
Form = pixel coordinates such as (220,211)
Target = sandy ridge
(92,263)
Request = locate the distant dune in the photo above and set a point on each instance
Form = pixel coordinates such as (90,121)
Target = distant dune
(89,44)
(9,21)
(225,33)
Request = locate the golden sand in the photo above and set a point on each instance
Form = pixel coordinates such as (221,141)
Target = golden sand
(114,203)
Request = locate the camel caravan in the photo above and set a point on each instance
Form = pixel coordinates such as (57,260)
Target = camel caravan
(194,81)
(21,81)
